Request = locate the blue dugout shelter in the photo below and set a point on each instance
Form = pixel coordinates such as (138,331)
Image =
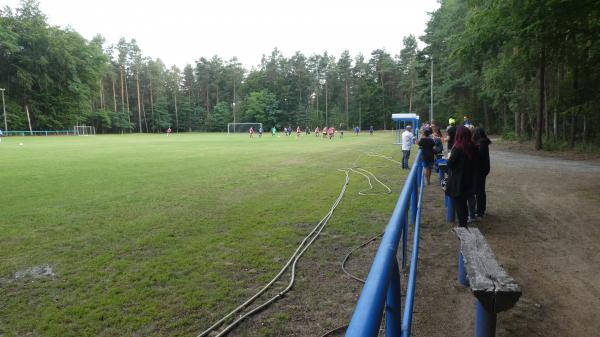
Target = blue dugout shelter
(402,120)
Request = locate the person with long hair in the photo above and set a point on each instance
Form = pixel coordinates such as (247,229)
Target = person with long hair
(483,169)
(461,168)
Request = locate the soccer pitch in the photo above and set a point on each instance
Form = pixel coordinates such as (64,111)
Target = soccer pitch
(148,235)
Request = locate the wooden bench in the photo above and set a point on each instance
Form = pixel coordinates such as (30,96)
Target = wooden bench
(494,289)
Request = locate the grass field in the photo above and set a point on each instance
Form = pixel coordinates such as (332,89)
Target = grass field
(154,236)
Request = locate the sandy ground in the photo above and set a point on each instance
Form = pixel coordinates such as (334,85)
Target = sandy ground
(543,226)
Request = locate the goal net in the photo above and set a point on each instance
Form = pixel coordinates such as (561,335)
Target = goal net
(242,127)
(84,130)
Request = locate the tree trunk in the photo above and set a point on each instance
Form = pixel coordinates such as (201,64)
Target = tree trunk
(139,101)
(176,117)
(410,97)
(346,102)
(114,95)
(383,101)
(127,101)
(583,138)
(152,107)
(189,116)
(123,92)
(207,99)
(101,96)
(326,99)
(522,128)
(542,95)
(28,120)
(504,119)
(516,123)
(486,116)
(546,119)
(556,103)
(144,109)
(572,131)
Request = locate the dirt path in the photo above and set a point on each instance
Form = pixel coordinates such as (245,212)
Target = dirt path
(543,225)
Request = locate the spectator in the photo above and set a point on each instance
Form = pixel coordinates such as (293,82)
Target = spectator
(438,148)
(451,133)
(467,120)
(407,142)
(427,144)
(482,142)
(461,166)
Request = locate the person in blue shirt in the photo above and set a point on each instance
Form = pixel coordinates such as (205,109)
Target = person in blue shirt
(466,120)
(371,130)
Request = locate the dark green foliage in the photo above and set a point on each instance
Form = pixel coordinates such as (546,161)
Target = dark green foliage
(525,67)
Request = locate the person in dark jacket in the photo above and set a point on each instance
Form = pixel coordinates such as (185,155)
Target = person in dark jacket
(461,168)
(483,145)
(426,145)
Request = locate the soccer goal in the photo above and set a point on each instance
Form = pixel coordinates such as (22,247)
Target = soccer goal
(242,127)
(84,130)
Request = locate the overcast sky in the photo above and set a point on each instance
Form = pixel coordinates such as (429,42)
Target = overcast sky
(180,31)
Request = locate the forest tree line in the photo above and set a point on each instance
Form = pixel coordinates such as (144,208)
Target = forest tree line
(526,68)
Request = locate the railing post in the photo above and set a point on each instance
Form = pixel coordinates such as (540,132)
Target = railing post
(485,322)
(393,308)
(462,276)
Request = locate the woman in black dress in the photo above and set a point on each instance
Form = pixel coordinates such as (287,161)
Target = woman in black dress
(461,170)
(426,145)
(483,146)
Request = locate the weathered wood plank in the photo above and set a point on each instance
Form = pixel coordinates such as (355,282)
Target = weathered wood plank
(492,286)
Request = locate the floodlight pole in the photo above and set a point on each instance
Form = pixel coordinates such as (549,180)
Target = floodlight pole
(233,104)
(4,110)
(431,103)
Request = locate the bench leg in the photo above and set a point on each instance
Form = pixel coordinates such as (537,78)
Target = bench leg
(462,276)
(485,323)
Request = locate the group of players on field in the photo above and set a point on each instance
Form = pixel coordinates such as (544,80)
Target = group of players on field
(326,131)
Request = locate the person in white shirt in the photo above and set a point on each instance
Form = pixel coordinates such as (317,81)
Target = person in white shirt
(407,142)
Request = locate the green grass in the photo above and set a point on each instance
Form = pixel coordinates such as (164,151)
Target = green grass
(157,236)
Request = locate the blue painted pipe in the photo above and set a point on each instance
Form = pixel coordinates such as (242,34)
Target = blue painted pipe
(485,322)
(449,210)
(462,276)
(393,308)
(404,224)
(412,274)
(366,318)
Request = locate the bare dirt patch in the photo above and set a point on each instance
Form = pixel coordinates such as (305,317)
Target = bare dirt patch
(543,227)
(528,148)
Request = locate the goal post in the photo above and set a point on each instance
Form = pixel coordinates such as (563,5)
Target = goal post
(242,127)
(84,130)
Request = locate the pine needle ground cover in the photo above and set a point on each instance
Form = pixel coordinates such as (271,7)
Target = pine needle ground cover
(148,235)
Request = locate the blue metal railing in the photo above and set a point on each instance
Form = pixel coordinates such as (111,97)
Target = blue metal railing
(382,288)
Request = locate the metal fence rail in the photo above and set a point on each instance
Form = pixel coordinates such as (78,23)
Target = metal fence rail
(382,288)
(39,133)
